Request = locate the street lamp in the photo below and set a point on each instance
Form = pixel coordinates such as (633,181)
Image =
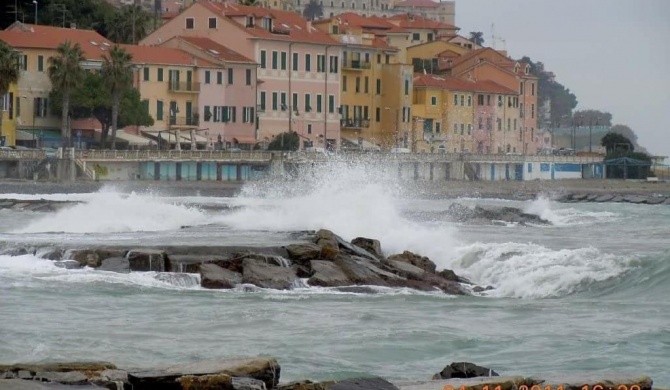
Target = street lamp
(35,2)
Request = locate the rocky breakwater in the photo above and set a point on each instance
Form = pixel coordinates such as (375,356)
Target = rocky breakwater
(256,373)
(651,199)
(37,205)
(478,215)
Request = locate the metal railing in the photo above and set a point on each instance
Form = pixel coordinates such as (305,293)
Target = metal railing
(153,155)
(355,64)
(184,86)
(355,123)
(23,154)
(192,120)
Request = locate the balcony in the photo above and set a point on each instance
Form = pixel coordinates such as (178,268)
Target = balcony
(184,121)
(354,123)
(184,87)
(355,65)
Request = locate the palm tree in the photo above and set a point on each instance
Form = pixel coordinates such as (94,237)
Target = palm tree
(9,71)
(313,10)
(117,75)
(477,37)
(65,75)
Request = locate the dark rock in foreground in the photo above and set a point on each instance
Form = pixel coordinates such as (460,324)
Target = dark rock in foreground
(464,370)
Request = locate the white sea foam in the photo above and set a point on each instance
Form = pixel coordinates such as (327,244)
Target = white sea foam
(110,212)
(546,209)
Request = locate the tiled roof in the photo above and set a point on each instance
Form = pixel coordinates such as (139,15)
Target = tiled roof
(356,20)
(30,36)
(216,50)
(163,55)
(455,84)
(293,27)
(418,4)
(410,21)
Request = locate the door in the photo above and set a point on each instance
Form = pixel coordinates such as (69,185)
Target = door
(189,79)
(518,172)
(189,114)
(173,112)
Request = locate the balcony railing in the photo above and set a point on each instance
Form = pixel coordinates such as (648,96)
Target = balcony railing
(355,123)
(184,121)
(355,64)
(185,87)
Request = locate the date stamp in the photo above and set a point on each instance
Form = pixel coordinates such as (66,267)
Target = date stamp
(549,387)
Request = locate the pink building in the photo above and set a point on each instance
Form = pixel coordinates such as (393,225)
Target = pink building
(227,98)
(298,74)
(487,93)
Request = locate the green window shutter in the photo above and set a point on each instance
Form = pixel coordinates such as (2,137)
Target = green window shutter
(263,100)
(274,60)
(230,75)
(40,63)
(294,65)
(283,60)
(160,74)
(159,110)
(308,63)
(146,74)
(264,55)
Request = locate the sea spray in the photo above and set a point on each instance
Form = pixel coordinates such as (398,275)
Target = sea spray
(560,215)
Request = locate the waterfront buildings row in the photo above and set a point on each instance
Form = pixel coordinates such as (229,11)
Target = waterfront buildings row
(244,74)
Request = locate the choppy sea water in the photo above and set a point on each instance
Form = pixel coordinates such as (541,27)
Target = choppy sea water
(589,293)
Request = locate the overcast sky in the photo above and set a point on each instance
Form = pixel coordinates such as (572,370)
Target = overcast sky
(613,54)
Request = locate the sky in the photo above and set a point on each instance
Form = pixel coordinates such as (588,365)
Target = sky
(613,54)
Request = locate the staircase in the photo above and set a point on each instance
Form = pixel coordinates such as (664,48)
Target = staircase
(470,171)
(88,172)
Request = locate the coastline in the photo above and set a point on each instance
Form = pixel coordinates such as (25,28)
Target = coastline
(511,190)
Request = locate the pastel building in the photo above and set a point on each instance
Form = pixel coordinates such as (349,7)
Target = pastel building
(299,65)
(10,109)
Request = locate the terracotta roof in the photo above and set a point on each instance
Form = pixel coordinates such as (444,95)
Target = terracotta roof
(356,20)
(455,84)
(291,25)
(30,36)
(418,4)
(163,55)
(216,50)
(410,21)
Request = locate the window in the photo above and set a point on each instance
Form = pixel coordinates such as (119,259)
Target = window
(532,111)
(379,58)
(294,62)
(462,100)
(365,85)
(283,60)
(18,106)
(146,73)
(469,100)
(23,62)
(480,100)
(462,128)
(378,114)
(344,83)
(159,76)
(500,101)
(366,113)
(248,115)
(190,23)
(294,102)
(455,100)
(455,128)
(437,127)
(264,55)
(499,121)
(318,102)
(480,124)
(40,63)
(250,21)
(515,123)
(247,74)
(416,37)
(267,24)
(358,84)
(212,22)
(488,100)
(532,89)
(262,102)
(282,101)
(488,123)
(275,60)
(367,58)
(208,113)
(430,37)
(521,112)
(433,100)
(207,77)
(274,101)
(159,110)
(309,128)
(320,63)
(308,102)
(331,104)
(406,87)
(509,124)
(41,107)
(334,64)
(308,62)
(379,86)
(230,75)
(521,88)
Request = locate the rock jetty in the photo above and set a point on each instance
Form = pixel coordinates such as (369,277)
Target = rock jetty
(257,373)
(319,258)
(650,199)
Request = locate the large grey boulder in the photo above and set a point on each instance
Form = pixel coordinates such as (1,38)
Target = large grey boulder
(303,253)
(94,257)
(327,274)
(328,242)
(464,370)
(359,272)
(370,245)
(416,260)
(147,260)
(265,275)
(115,264)
(215,277)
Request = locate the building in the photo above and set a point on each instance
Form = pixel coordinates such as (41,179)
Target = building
(376,85)
(443,11)
(10,109)
(299,65)
(36,45)
(228,94)
(433,57)
(453,115)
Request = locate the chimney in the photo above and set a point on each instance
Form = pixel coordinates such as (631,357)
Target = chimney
(73,25)
(309,26)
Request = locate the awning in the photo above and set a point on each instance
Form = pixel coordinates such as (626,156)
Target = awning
(132,139)
(365,145)
(199,139)
(24,136)
(166,136)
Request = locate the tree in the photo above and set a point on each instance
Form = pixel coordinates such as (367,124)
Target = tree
(613,142)
(66,75)
(592,117)
(628,133)
(9,71)
(285,141)
(313,10)
(129,24)
(477,37)
(117,74)
(561,100)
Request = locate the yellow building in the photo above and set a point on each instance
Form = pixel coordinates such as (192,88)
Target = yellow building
(376,87)
(434,56)
(10,108)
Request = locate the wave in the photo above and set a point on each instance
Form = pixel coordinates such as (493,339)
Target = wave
(546,209)
(111,212)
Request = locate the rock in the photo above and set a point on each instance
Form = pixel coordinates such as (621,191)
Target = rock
(68,264)
(303,253)
(19,384)
(114,375)
(634,199)
(14,251)
(479,289)
(579,197)
(213,276)
(327,274)
(206,382)
(191,263)
(667,201)
(68,378)
(24,374)
(115,264)
(305,385)
(265,370)
(147,260)
(357,290)
(419,261)
(52,254)
(370,245)
(461,213)
(265,275)
(592,197)
(362,384)
(93,257)
(407,270)
(464,370)
(60,367)
(604,198)
(327,241)
(358,272)
(617,199)
(655,200)
(450,275)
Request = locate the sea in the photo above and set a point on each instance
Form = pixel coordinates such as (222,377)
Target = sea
(589,293)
